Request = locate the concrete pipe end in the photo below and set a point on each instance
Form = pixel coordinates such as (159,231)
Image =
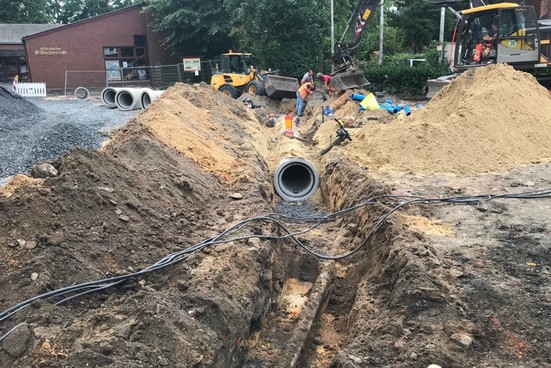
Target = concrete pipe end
(81,93)
(296,179)
(108,96)
(129,98)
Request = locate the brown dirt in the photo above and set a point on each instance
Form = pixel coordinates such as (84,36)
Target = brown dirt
(165,182)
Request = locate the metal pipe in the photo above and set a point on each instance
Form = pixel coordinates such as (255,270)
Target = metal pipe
(296,179)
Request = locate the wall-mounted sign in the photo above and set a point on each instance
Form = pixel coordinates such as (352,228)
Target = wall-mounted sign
(50,51)
(192,64)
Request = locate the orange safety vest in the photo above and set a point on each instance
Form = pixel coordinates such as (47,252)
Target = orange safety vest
(305,89)
(478,53)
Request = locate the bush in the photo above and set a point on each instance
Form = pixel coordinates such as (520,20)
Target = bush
(401,80)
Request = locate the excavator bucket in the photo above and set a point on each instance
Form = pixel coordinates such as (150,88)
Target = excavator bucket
(352,78)
(278,87)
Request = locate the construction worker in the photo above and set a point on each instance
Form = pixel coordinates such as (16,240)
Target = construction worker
(308,77)
(15,81)
(486,48)
(302,96)
(490,42)
(326,80)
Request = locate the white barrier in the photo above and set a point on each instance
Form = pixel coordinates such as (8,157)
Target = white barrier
(30,89)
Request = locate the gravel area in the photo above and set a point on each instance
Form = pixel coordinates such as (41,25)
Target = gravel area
(43,129)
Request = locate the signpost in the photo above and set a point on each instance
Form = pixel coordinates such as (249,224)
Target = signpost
(192,65)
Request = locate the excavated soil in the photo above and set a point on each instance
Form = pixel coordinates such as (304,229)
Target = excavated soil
(458,283)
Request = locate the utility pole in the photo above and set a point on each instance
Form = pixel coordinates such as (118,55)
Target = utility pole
(332,36)
(381,31)
(441,37)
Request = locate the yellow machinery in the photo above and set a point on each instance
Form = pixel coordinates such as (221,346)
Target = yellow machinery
(518,39)
(236,76)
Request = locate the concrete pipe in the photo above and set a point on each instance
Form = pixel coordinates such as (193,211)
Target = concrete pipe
(108,96)
(81,93)
(129,98)
(148,97)
(296,179)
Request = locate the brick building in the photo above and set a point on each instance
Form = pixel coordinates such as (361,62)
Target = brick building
(115,47)
(12,52)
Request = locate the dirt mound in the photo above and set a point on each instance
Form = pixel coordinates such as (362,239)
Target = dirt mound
(213,130)
(162,184)
(490,119)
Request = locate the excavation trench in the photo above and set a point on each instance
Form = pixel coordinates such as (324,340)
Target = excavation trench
(196,163)
(309,313)
(167,182)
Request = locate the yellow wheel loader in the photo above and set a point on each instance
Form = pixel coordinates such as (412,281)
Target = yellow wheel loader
(236,75)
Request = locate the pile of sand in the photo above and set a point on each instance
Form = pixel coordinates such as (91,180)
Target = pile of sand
(202,124)
(488,120)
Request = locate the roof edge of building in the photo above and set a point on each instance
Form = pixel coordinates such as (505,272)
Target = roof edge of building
(83,21)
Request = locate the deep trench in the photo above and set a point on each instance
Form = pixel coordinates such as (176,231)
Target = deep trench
(286,334)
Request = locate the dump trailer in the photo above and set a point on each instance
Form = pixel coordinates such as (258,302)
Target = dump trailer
(237,75)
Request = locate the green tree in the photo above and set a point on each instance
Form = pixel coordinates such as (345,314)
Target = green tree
(419,21)
(286,34)
(192,27)
(24,11)
(70,11)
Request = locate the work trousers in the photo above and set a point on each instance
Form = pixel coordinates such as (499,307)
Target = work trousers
(300,104)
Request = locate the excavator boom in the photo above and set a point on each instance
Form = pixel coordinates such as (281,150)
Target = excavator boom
(347,75)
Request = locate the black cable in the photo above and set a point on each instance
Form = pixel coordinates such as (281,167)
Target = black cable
(181,255)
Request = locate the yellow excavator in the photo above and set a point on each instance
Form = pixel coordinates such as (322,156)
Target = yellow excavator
(498,33)
(347,74)
(236,75)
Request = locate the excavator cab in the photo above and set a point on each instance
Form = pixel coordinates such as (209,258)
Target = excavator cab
(499,33)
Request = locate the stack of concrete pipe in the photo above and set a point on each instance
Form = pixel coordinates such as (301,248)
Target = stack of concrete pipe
(128,98)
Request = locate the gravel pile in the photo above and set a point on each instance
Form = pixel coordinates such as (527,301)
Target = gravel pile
(43,129)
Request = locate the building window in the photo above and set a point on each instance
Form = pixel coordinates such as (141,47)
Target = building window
(126,63)
(12,66)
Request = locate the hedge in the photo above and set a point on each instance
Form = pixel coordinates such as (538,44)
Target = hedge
(403,80)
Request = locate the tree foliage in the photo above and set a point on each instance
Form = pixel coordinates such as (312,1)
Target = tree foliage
(192,27)
(419,20)
(56,11)
(70,11)
(24,11)
(284,34)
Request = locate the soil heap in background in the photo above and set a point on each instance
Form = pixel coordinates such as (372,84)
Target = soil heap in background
(490,119)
